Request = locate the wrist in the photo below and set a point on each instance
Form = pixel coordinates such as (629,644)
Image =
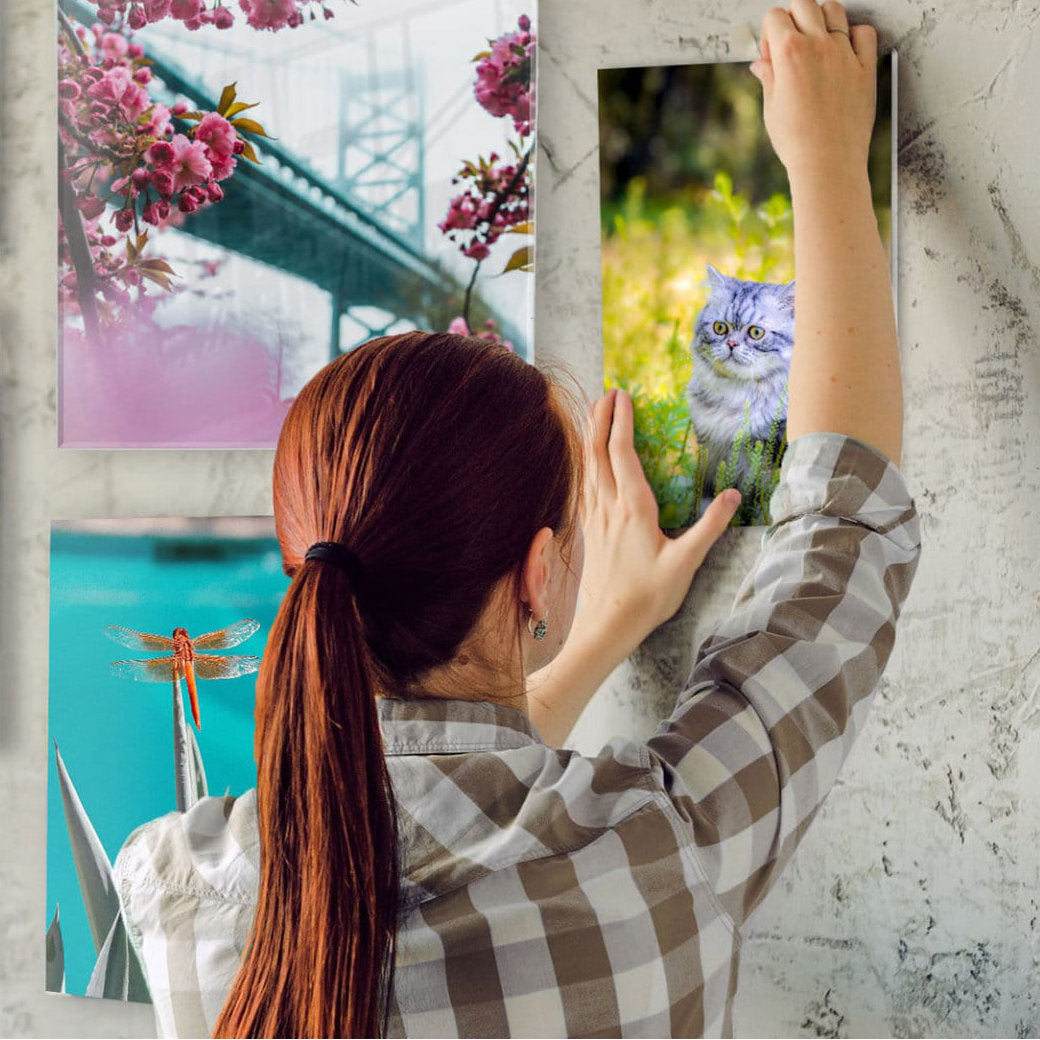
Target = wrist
(816,177)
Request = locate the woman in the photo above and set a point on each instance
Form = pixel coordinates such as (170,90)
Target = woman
(415,859)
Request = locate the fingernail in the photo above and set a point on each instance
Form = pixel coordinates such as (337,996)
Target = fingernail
(731,497)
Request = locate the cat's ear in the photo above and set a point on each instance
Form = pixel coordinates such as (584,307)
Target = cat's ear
(787,295)
(716,280)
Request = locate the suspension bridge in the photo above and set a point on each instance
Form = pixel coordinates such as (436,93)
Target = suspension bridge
(356,231)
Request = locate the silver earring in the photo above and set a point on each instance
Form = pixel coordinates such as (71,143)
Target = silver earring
(538,630)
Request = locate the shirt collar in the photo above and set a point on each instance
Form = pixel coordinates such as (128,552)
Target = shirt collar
(435,725)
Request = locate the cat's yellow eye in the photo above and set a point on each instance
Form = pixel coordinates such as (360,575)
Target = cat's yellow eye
(721,328)
(756,331)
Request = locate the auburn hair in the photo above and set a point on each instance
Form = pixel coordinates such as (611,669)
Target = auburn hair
(434,459)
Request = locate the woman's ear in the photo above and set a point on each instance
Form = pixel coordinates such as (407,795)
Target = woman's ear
(534,578)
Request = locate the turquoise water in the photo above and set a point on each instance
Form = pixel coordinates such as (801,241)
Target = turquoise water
(115,735)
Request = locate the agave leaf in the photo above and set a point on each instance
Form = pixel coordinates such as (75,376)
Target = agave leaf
(96,883)
(117,973)
(55,956)
(185,781)
(201,787)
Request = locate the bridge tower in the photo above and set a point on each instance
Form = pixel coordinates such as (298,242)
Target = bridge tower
(381,164)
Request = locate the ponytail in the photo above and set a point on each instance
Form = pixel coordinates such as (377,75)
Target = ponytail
(320,959)
(435,459)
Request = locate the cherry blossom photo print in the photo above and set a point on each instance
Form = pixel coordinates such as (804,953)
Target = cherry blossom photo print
(249,189)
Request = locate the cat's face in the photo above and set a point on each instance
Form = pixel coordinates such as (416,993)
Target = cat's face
(746,329)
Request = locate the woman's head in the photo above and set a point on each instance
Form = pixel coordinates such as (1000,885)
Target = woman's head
(436,459)
(447,468)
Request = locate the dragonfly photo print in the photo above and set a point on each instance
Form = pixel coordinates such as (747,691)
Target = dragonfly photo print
(110,719)
(183,662)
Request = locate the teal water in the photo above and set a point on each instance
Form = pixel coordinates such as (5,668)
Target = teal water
(115,735)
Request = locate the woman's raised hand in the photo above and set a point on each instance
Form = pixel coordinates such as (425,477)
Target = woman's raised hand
(818,80)
(634,576)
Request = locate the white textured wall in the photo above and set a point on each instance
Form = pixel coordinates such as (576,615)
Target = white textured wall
(912,908)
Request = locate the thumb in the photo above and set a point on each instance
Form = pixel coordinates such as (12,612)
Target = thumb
(709,528)
(762,70)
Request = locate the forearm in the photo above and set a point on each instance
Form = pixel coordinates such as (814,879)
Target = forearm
(845,372)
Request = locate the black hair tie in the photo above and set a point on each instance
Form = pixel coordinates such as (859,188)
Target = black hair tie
(338,555)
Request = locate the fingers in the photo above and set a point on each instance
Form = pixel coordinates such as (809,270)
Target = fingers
(776,24)
(628,473)
(762,69)
(709,528)
(864,43)
(834,17)
(599,476)
(807,15)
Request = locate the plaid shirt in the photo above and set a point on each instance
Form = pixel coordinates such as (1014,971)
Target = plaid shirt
(551,894)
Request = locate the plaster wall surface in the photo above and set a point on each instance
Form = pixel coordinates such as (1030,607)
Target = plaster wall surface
(912,906)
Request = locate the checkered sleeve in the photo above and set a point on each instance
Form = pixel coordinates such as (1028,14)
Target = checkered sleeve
(780,688)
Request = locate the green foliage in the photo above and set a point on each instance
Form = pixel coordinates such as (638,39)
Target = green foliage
(654,265)
(762,464)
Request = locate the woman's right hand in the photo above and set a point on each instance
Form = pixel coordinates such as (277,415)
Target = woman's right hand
(818,86)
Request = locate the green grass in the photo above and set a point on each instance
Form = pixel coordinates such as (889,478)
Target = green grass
(655,254)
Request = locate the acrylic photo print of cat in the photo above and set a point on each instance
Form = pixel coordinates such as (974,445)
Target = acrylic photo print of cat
(698,275)
(250,191)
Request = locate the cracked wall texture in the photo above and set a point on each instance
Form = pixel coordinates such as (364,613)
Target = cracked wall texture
(912,907)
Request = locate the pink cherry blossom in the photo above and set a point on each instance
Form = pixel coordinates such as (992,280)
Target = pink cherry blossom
(90,206)
(190,165)
(114,45)
(117,87)
(159,124)
(217,134)
(504,86)
(269,14)
(184,10)
(161,154)
(222,167)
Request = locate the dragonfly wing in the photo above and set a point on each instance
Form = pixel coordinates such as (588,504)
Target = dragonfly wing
(137,640)
(210,666)
(227,637)
(158,669)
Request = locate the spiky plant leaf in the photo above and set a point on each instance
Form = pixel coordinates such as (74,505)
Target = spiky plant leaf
(117,973)
(55,956)
(96,883)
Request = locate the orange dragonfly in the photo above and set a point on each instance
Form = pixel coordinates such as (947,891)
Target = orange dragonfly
(183,661)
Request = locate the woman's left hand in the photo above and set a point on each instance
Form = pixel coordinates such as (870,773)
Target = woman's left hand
(634,577)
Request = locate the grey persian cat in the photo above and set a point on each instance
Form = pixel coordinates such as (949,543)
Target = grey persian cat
(742,344)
